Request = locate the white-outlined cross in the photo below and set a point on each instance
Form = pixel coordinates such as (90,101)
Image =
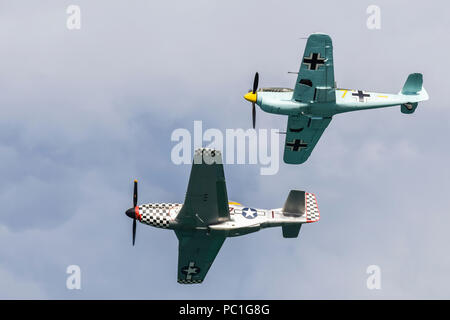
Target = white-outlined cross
(314,61)
(190,270)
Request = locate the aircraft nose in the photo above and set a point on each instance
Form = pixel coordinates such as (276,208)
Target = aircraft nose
(250,97)
(131,213)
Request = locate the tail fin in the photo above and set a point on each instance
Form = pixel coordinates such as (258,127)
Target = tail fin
(295,204)
(299,204)
(413,84)
(414,92)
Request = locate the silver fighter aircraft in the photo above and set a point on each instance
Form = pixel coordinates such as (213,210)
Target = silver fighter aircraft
(207,217)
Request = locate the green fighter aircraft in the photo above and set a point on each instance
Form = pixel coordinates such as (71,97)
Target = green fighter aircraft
(315,99)
(207,218)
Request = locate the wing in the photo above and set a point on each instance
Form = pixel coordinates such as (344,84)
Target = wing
(315,80)
(206,199)
(196,253)
(302,135)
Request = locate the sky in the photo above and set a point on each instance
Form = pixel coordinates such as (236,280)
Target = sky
(84,112)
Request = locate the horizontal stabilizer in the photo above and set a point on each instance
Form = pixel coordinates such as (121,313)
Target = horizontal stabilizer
(409,108)
(291,230)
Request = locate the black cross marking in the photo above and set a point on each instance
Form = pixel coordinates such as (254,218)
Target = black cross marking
(361,95)
(297,145)
(313,61)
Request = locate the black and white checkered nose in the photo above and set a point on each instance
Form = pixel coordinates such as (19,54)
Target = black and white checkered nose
(131,213)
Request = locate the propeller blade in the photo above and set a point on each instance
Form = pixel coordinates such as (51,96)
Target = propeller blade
(255,82)
(135,194)
(134,230)
(253,115)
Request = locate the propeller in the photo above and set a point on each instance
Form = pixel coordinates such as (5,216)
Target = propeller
(251,96)
(132,211)
(135,195)
(255,82)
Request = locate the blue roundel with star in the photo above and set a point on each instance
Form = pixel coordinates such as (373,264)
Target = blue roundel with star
(249,213)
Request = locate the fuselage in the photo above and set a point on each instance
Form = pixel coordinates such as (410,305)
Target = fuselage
(347,100)
(243,220)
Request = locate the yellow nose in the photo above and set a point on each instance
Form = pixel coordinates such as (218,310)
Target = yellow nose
(250,97)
